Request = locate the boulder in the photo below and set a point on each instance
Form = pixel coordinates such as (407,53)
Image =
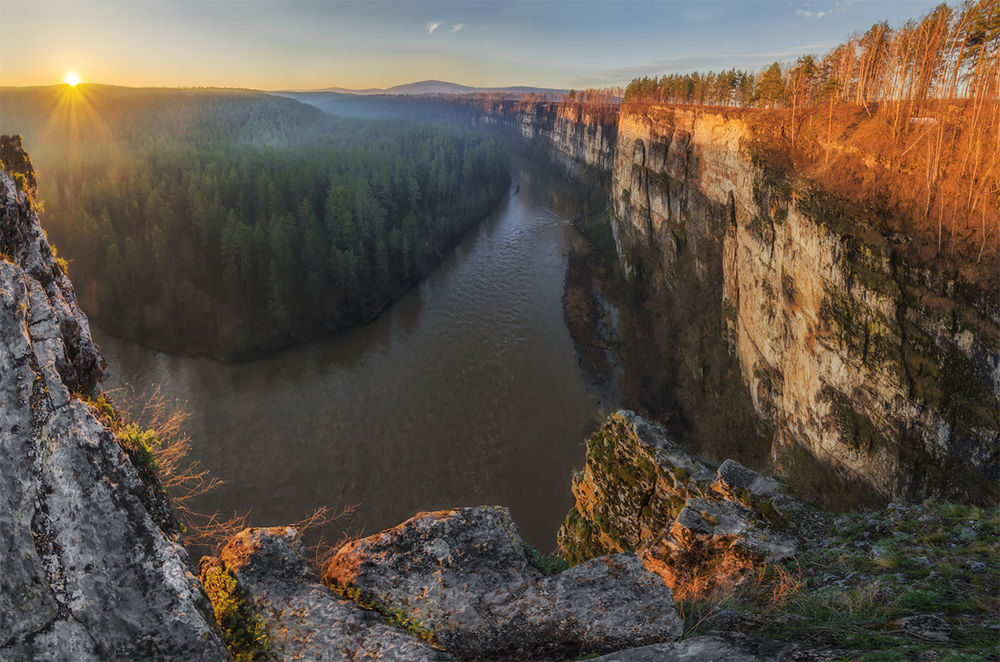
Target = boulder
(305,620)
(464,576)
(737,482)
(633,484)
(710,527)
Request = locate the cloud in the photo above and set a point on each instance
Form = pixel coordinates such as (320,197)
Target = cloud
(432,26)
(808,13)
(457,27)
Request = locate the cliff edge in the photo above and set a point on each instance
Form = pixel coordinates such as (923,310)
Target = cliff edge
(86,573)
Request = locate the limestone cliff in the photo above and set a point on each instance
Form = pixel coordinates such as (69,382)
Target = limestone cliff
(877,367)
(572,136)
(786,327)
(86,571)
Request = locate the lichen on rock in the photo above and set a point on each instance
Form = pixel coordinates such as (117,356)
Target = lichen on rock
(464,576)
(304,620)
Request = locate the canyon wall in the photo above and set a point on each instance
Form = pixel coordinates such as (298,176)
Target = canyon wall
(788,329)
(570,135)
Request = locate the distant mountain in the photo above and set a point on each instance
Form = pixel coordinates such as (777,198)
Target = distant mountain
(426,87)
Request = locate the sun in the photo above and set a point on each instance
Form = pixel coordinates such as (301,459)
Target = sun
(72,79)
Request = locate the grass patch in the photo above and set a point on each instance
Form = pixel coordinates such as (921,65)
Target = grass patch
(877,568)
(547,565)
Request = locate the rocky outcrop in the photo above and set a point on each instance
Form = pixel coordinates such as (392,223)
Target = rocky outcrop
(85,571)
(464,576)
(696,528)
(305,620)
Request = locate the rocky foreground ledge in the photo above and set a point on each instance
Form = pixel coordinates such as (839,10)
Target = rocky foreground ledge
(460,584)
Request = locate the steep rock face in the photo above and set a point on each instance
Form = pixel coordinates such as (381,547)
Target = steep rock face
(85,572)
(464,576)
(888,372)
(696,528)
(778,320)
(568,134)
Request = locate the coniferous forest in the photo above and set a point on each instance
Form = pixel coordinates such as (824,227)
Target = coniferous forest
(229,223)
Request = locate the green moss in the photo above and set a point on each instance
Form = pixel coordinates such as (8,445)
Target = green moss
(576,539)
(244,632)
(103,408)
(547,565)
(856,429)
(21,181)
(391,614)
(141,446)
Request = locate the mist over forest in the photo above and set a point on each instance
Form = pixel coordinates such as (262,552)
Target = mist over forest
(234,222)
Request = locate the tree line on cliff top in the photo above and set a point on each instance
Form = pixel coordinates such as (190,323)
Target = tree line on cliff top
(927,115)
(947,54)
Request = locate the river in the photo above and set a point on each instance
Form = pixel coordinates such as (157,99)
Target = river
(466,391)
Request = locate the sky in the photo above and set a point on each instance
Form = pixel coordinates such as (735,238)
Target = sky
(311,44)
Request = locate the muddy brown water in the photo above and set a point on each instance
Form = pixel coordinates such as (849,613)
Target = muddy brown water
(465,391)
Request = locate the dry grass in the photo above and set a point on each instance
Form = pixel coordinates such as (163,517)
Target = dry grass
(184,480)
(706,576)
(938,185)
(704,595)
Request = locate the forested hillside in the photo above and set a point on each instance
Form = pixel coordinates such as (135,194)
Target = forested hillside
(230,222)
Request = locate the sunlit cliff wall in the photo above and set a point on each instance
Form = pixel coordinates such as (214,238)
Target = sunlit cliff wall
(767,294)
